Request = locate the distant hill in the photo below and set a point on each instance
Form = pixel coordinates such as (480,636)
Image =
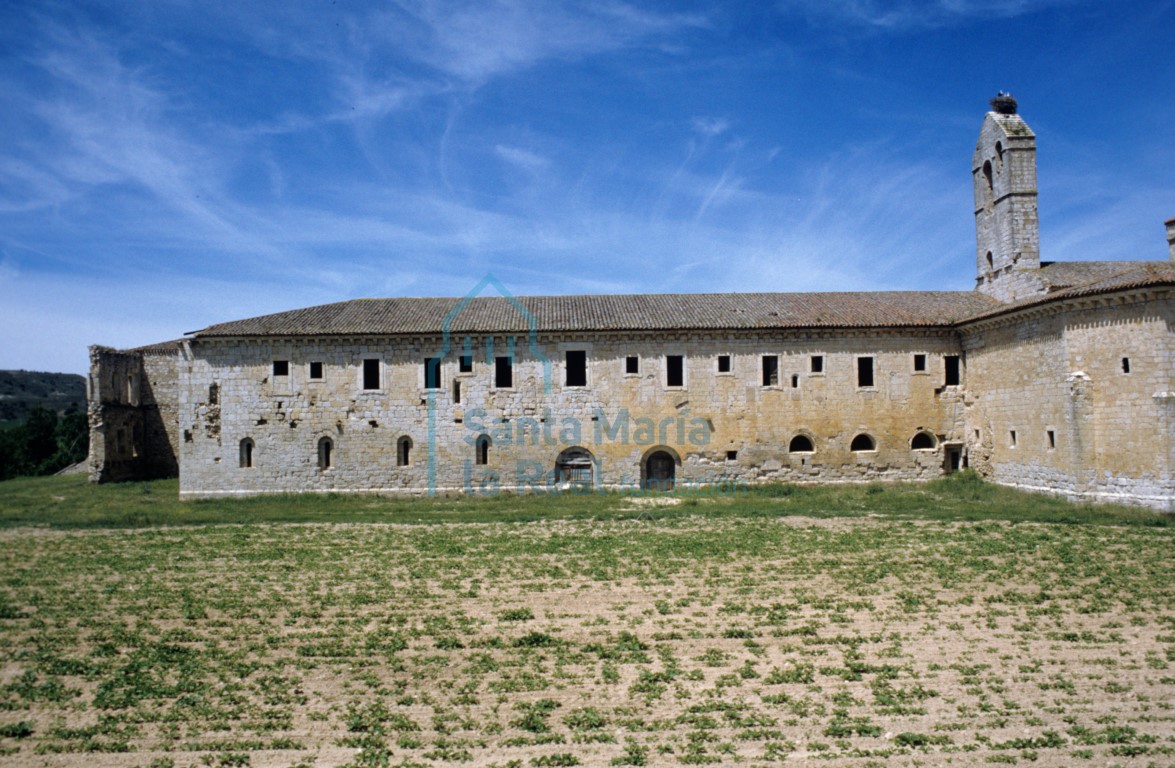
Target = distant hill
(21,391)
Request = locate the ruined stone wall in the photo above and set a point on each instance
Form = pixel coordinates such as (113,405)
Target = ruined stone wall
(133,399)
(1085,387)
(718,426)
(159,398)
(113,413)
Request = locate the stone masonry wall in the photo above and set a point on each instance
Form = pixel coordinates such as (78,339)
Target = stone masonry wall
(1085,387)
(133,399)
(718,427)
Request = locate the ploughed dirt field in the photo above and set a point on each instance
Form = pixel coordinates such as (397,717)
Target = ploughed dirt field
(680,641)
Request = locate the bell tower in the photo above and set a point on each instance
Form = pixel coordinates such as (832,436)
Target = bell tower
(1007,235)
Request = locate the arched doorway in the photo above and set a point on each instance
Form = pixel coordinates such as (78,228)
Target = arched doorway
(575,466)
(660,471)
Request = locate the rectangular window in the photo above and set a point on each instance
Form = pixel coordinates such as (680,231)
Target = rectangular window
(674,371)
(632,365)
(281,367)
(724,363)
(919,363)
(1052,436)
(315,371)
(371,374)
(576,368)
(503,372)
(795,381)
(1126,365)
(864,371)
(432,373)
(952,370)
(1012,438)
(817,363)
(732,455)
(456,390)
(466,364)
(770,370)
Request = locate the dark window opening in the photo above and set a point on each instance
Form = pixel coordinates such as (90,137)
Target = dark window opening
(246,453)
(990,262)
(795,381)
(864,371)
(675,371)
(632,364)
(817,363)
(465,364)
(432,373)
(503,372)
(575,466)
(213,394)
(1012,437)
(1052,439)
(919,363)
(770,370)
(576,368)
(325,449)
(923,441)
(731,455)
(456,390)
(987,178)
(952,370)
(801,444)
(482,450)
(862,442)
(281,367)
(1126,365)
(316,371)
(724,363)
(404,451)
(371,374)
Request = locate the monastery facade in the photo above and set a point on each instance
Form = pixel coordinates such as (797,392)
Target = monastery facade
(1049,376)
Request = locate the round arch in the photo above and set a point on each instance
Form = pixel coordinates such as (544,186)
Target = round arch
(659,468)
(576,466)
(863,443)
(923,441)
(801,442)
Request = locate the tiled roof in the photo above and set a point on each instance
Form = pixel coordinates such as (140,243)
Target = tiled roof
(688,311)
(159,348)
(1105,279)
(1060,275)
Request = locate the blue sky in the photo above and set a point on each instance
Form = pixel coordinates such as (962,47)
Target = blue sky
(166,165)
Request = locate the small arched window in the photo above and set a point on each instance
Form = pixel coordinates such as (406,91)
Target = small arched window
(247,453)
(923,441)
(483,450)
(404,451)
(862,443)
(801,444)
(326,449)
(999,155)
(990,262)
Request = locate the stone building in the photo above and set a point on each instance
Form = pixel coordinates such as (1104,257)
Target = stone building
(1050,376)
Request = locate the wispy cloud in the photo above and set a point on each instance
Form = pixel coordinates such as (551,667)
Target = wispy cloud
(710,126)
(522,158)
(916,14)
(475,41)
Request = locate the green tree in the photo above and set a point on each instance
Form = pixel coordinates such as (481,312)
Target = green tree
(40,440)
